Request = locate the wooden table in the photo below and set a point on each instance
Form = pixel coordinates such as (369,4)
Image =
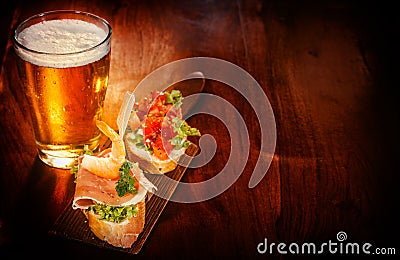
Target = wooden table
(328,72)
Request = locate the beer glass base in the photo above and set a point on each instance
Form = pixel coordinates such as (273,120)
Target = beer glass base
(58,162)
(62,158)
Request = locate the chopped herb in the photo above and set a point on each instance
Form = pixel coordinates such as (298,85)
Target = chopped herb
(179,142)
(183,130)
(126,182)
(113,213)
(175,98)
(139,141)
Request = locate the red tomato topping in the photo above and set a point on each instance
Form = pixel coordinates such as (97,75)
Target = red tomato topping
(158,129)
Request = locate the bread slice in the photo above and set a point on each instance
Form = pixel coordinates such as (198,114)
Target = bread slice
(122,234)
(147,161)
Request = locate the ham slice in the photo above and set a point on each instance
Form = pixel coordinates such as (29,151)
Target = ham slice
(91,189)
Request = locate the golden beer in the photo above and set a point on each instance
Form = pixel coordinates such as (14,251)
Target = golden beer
(65,77)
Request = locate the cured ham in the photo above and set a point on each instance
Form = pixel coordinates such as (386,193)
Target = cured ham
(91,189)
(157,134)
(111,192)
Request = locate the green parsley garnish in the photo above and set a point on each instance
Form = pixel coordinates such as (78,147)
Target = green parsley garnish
(183,130)
(175,98)
(126,182)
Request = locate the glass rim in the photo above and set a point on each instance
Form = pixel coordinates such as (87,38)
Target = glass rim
(17,30)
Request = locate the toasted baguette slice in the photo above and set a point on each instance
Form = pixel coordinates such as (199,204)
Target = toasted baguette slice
(122,234)
(150,163)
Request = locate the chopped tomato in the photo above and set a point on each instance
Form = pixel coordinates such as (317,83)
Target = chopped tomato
(158,129)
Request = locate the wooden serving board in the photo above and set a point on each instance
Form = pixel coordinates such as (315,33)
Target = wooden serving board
(72,224)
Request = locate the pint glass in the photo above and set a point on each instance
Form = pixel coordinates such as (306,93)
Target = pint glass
(63,63)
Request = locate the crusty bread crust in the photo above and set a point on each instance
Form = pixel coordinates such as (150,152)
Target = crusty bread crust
(122,234)
(150,163)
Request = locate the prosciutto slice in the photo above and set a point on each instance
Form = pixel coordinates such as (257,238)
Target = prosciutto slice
(91,189)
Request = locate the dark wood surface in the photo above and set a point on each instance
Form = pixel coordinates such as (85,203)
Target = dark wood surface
(328,69)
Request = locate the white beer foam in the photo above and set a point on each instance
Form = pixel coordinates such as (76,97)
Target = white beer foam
(59,37)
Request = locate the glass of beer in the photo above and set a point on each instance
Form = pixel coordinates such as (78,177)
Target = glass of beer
(63,63)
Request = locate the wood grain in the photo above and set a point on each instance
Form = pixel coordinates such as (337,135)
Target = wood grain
(328,70)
